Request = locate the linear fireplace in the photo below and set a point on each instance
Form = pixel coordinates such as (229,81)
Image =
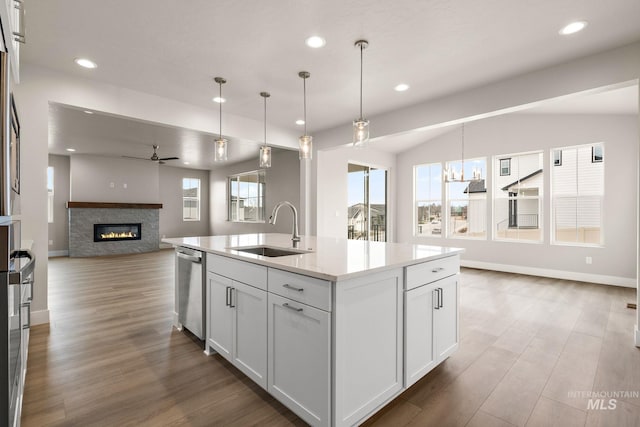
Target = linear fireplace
(114,232)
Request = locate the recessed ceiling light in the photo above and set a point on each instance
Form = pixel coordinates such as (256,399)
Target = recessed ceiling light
(315,42)
(86,63)
(186,163)
(401,87)
(88,111)
(574,27)
(71,150)
(219,100)
(299,122)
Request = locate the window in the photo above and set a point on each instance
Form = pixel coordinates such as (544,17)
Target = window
(367,203)
(467,201)
(50,194)
(557,157)
(596,154)
(428,200)
(246,200)
(190,199)
(505,167)
(517,199)
(577,189)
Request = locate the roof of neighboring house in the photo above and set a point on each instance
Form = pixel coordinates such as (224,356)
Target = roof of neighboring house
(506,187)
(476,187)
(376,209)
(190,192)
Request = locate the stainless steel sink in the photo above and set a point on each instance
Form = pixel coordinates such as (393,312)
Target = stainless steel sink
(270,251)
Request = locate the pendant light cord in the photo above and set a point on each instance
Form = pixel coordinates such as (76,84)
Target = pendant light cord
(361,66)
(304,97)
(220,95)
(265,121)
(462,169)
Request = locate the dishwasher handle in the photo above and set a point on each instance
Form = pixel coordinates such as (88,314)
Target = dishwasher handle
(192,258)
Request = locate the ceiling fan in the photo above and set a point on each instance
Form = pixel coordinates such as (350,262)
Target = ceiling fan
(154,157)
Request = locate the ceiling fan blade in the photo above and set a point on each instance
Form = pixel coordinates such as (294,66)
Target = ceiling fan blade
(138,158)
(169,158)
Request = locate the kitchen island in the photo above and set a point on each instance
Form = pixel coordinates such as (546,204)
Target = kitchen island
(334,328)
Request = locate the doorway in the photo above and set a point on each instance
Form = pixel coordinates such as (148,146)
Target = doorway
(367,203)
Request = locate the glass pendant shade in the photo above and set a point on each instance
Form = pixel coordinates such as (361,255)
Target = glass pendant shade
(220,154)
(265,150)
(265,156)
(306,147)
(361,125)
(305,150)
(221,150)
(360,132)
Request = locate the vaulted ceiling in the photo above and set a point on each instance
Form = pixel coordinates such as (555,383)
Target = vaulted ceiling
(174,48)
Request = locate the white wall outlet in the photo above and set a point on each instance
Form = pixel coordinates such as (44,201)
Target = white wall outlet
(124,185)
(588,260)
(50,242)
(112,185)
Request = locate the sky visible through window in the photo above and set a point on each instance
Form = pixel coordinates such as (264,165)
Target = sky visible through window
(356,188)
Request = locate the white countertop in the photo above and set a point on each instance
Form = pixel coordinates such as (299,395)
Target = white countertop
(331,258)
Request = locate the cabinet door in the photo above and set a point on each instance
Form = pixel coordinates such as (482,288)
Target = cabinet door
(220,317)
(299,358)
(445,318)
(250,331)
(419,353)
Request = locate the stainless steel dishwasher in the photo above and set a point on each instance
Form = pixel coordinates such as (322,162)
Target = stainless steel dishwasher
(190,290)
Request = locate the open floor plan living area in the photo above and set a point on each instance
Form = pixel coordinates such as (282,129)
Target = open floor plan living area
(413,213)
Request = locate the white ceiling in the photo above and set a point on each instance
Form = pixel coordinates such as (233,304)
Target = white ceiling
(174,49)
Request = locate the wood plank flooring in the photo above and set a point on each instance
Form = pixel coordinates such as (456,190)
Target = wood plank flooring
(110,356)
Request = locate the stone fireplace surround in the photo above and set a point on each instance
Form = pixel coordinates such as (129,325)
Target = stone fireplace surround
(83,215)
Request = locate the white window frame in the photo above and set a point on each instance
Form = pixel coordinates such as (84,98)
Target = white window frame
(540,197)
(261,197)
(554,198)
(428,201)
(197,199)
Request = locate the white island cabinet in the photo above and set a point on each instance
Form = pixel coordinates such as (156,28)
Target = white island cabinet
(334,333)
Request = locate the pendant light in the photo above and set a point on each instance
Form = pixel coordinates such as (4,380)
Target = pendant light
(451,175)
(220,143)
(305,141)
(265,150)
(361,125)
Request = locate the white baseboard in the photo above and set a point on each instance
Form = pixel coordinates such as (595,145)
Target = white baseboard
(58,253)
(554,274)
(39,317)
(637,336)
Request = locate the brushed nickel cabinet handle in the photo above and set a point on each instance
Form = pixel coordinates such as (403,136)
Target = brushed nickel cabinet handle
(286,305)
(437,269)
(293,288)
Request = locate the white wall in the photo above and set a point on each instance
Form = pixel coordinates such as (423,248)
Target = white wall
(332,194)
(59,229)
(283,183)
(171,222)
(108,179)
(613,263)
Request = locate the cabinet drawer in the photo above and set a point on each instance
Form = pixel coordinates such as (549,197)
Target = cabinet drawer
(304,289)
(430,271)
(241,271)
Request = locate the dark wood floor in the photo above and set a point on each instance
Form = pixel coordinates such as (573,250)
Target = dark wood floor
(110,356)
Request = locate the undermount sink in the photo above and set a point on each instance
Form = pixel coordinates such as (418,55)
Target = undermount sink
(270,251)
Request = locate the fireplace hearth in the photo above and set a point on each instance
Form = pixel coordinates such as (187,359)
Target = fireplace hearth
(116,232)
